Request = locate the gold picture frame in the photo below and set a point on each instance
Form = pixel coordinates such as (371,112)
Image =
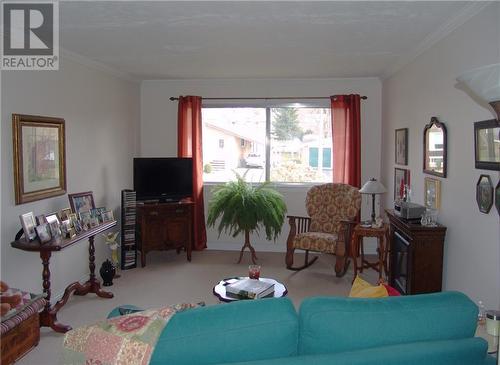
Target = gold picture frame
(432,193)
(39,157)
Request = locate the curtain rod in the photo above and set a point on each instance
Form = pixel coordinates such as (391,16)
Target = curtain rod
(172,98)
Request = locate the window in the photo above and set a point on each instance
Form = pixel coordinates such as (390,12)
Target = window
(289,144)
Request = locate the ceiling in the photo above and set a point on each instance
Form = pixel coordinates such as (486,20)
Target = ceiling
(255,39)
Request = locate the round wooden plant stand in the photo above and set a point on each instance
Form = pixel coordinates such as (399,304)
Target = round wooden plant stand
(250,248)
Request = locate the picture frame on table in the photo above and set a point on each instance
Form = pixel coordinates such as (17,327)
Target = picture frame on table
(400,175)
(40,219)
(64,214)
(81,202)
(484,193)
(432,193)
(43,232)
(108,216)
(34,138)
(486,146)
(401,146)
(85,219)
(54,224)
(28,223)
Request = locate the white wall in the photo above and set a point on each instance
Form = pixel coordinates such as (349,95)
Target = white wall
(102,126)
(427,88)
(159,129)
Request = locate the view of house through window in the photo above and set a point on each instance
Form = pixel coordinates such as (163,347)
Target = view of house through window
(297,148)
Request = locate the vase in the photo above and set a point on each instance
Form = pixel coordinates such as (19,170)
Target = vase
(107,272)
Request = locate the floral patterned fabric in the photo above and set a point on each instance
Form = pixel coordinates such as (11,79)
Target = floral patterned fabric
(124,340)
(328,205)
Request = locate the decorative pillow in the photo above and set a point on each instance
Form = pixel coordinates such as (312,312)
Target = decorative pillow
(391,291)
(363,289)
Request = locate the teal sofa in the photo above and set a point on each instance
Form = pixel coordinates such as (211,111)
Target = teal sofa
(421,329)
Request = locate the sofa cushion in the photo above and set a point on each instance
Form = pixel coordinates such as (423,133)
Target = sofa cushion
(470,351)
(240,331)
(331,324)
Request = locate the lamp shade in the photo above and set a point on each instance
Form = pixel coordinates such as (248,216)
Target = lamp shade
(484,82)
(372,186)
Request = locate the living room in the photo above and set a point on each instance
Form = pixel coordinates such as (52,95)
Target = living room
(114,99)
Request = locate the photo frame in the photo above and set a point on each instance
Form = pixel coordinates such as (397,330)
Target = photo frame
(81,202)
(435,148)
(64,214)
(54,224)
(43,232)
(28,223)
(432,193)
(497,197)
(400,175)
(39,157)
(401,146)
(108,216)
(487,145)
(484,193)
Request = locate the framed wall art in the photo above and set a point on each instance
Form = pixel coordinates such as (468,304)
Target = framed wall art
(39,157)
(401,143)
(432,193)
(435,148)
(487,144)
(81,202)
(401,178)
(484,194)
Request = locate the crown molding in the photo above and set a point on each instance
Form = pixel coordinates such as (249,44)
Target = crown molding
(82,60)
(453,23)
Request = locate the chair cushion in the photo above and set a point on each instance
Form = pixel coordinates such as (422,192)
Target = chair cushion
(316,241)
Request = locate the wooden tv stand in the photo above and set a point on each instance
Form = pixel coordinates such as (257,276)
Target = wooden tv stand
(165,226)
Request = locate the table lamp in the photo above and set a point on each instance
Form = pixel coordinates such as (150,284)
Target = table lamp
(373,187)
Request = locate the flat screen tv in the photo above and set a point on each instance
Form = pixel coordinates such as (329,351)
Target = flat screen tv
(163,178)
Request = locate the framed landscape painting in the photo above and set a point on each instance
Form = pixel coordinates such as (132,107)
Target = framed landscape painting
(39,157)
(81,202)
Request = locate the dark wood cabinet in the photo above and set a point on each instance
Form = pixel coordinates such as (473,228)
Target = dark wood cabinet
(416,256)
(165,226)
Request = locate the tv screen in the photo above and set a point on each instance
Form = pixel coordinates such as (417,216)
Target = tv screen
(166,179)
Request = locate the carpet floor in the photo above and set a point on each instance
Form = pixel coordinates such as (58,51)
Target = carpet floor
(169,279)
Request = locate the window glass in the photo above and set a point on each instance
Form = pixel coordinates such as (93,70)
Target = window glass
(299,144)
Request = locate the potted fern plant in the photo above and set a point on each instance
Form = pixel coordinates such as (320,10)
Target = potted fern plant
(244,208)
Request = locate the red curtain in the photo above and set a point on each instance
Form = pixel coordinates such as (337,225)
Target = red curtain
(189,145)
(346,131)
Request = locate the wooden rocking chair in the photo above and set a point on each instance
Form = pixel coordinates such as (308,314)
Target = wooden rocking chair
(333,210)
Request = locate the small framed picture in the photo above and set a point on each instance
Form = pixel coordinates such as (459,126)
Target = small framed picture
(40,219)
(401,143)
(108,216)
(85,219)
(432,193)
(484,194)
(100,211)
(43,232)
(54,224)
(81,202)
(401,178)
(28,223)
(64,214)
(94,222)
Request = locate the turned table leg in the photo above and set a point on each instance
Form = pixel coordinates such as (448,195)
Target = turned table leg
(93,283)
(48,317)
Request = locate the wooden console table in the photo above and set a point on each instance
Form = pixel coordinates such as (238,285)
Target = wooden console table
(48,317)
(165,226)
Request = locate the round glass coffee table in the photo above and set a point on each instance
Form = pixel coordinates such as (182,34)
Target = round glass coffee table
(219,290)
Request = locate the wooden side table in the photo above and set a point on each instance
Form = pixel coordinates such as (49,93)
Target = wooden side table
(382,235)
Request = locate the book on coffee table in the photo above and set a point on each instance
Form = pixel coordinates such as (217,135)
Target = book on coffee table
(249,289)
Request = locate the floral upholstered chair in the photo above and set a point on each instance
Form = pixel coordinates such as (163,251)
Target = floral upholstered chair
(333,210)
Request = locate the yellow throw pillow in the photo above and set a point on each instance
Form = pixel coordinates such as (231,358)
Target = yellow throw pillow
(363,289)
